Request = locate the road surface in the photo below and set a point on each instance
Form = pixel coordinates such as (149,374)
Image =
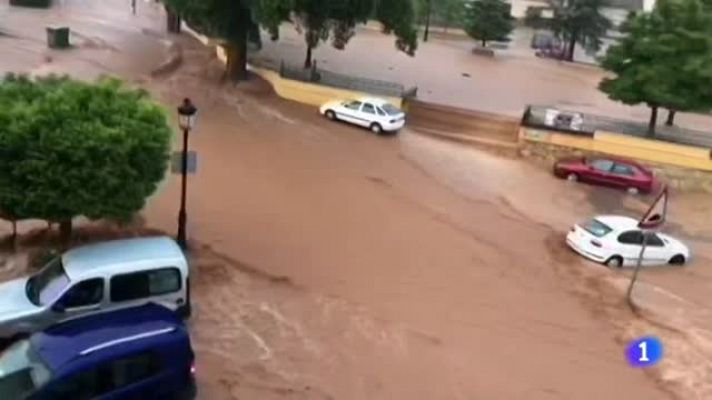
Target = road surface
(334,264)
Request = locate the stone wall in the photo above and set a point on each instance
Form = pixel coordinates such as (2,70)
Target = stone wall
(676,177)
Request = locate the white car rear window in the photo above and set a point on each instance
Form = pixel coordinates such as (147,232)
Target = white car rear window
(390,109)
(596,228)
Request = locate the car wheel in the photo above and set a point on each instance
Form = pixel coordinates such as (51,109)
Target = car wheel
(678,259)
(330,115)
(572,177)
(615,262)
(633,190)
(376,128)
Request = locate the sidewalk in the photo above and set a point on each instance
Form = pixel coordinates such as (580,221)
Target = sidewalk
(107,38)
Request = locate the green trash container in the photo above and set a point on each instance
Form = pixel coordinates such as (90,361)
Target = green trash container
(58,37)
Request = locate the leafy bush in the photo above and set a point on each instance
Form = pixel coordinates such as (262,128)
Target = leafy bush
(31,3)
(70,148)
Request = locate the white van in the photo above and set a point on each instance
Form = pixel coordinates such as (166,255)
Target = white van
(96,278)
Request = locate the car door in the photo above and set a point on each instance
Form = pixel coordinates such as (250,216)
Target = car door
(631,242)
(624,175)
(81,298)
(136,377)
(162,285)
(368,115)
(599,172)
(88,384)
(657,251)
(628,246)
(350,111)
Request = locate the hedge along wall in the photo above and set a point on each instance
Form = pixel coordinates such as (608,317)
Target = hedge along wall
(31,3)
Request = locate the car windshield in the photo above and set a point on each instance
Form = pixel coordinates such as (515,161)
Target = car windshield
(21,371)
(391,109)
(45,286)
(596,228)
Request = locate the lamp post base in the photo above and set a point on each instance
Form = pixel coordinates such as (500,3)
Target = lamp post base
(181,237)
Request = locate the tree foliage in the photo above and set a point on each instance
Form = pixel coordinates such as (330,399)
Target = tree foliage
(237,21)
(573,22)
(487,20)
(69,148)
(665,59)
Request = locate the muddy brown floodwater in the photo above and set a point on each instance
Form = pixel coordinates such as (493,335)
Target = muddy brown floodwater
(334,264)
(348,266)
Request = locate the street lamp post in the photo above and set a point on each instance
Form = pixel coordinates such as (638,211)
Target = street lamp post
(186,114)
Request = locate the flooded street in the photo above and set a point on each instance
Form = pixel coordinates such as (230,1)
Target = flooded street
(372,263)
(331,263)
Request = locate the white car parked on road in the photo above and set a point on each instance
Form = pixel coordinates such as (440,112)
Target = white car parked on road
(616,241)
(375,114)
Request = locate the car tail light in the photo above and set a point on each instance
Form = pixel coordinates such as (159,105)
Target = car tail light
(596,243)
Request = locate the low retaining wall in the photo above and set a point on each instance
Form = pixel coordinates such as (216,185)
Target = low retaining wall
(311,93)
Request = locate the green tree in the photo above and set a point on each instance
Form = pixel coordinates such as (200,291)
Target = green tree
(69,148)
(238,21)
(573,22)
(447,13)
(665,60)
(336,19)
(487,20)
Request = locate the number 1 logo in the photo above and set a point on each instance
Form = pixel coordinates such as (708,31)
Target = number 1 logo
(644,352)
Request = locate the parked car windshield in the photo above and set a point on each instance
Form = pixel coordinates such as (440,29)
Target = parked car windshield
(21,371)
(597,228)
(391,109)
(45,286)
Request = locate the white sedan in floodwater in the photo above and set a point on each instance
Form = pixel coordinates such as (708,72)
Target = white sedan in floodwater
(616,242)
(375,114)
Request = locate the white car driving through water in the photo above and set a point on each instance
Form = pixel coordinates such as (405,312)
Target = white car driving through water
(375,114)
(616,242)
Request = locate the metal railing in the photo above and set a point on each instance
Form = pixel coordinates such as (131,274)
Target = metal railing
(343,81)
(545,118)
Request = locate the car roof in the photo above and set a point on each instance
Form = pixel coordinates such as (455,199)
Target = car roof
(83,260)
(67,341)
(618,160)
(618,222)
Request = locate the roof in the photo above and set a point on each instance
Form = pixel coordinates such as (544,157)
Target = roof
(81,260)
(65,342)
(618,222)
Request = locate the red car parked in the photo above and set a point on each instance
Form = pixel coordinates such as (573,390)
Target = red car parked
(617,173)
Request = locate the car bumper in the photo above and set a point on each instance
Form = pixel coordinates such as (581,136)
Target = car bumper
(394,126)
(585,252)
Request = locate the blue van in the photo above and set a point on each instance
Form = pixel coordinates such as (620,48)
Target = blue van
(134,353)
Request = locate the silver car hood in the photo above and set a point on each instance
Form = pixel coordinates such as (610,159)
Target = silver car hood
(14,303)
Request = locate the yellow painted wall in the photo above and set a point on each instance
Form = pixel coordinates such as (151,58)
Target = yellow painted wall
(652,145)
(628,147)
(311,93)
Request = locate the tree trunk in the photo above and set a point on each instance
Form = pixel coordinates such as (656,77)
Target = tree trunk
(65,230)
(484,43)
(571,48)
(173,21)
(427,21)
(670,118)
(308,60)
(13,238)
(236,52)
(653,120)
